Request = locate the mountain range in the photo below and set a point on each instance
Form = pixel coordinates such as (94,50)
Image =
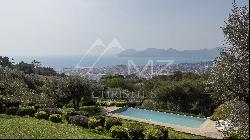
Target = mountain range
(154,52)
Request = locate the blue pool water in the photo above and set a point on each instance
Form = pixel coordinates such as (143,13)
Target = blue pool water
(162,117)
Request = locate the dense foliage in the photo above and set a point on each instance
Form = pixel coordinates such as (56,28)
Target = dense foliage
(50,111)
(71,113)
(135,131)
(26,110)
(11,110)
(229,80)
(112,122)
(233,110)
(181,92)
(42,91)
(100,130)
(152,133)
(41,115)
(56,118)
(230,76)
(79,88)
(119,132)
(93,123)
(91,110)
(79,120)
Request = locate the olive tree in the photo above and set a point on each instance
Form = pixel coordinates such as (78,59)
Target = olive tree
(79,88)
(230,77)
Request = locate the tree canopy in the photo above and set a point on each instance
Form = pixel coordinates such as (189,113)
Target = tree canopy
(230,77)
(229,81)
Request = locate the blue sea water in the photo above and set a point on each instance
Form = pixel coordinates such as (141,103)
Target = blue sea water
(60,62)
(163,117)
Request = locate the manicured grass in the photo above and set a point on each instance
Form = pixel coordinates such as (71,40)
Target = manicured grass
(14,127)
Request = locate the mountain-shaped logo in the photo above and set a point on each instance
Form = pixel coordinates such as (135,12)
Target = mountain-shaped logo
(114,44)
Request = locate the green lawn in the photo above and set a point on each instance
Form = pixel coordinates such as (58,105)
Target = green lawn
(14,127)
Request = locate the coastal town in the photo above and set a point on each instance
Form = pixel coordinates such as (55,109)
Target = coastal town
(144,71)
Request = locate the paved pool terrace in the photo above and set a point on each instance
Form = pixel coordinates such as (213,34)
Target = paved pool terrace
(205,129)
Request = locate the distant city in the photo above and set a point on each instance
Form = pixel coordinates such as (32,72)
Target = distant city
(139,70)
(119,61)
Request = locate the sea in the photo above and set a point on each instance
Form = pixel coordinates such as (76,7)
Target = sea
(61,62)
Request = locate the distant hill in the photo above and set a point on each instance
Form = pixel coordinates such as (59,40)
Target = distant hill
(153,52)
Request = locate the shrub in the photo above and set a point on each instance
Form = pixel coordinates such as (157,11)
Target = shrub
(119,132)
(120,103)
(133,104)
(29,103)
(50,111)
(164,130)
(109,103)
(37,106)
(55,118)
(2,108)
(10,103)
(26,110)
(100,130)
(41,115)
(11,110)
(93,123)
(153,133)
(238,135)
(101,120)
(69,105)
(222,111)
(236,111)
(74,113)
(105,102)
(83,113)
(135,131)
(88,101)
(2,105)
(79,120)
(96,121)
(65,110)
(71,113)
(101,103)
(149,104)
(111,122)
(91,110)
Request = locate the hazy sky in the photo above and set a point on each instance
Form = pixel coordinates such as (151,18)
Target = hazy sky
(59,27)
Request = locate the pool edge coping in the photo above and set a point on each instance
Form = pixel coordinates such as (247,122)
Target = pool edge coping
(201,131)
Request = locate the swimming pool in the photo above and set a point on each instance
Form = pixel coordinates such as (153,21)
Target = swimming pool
(162,117)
